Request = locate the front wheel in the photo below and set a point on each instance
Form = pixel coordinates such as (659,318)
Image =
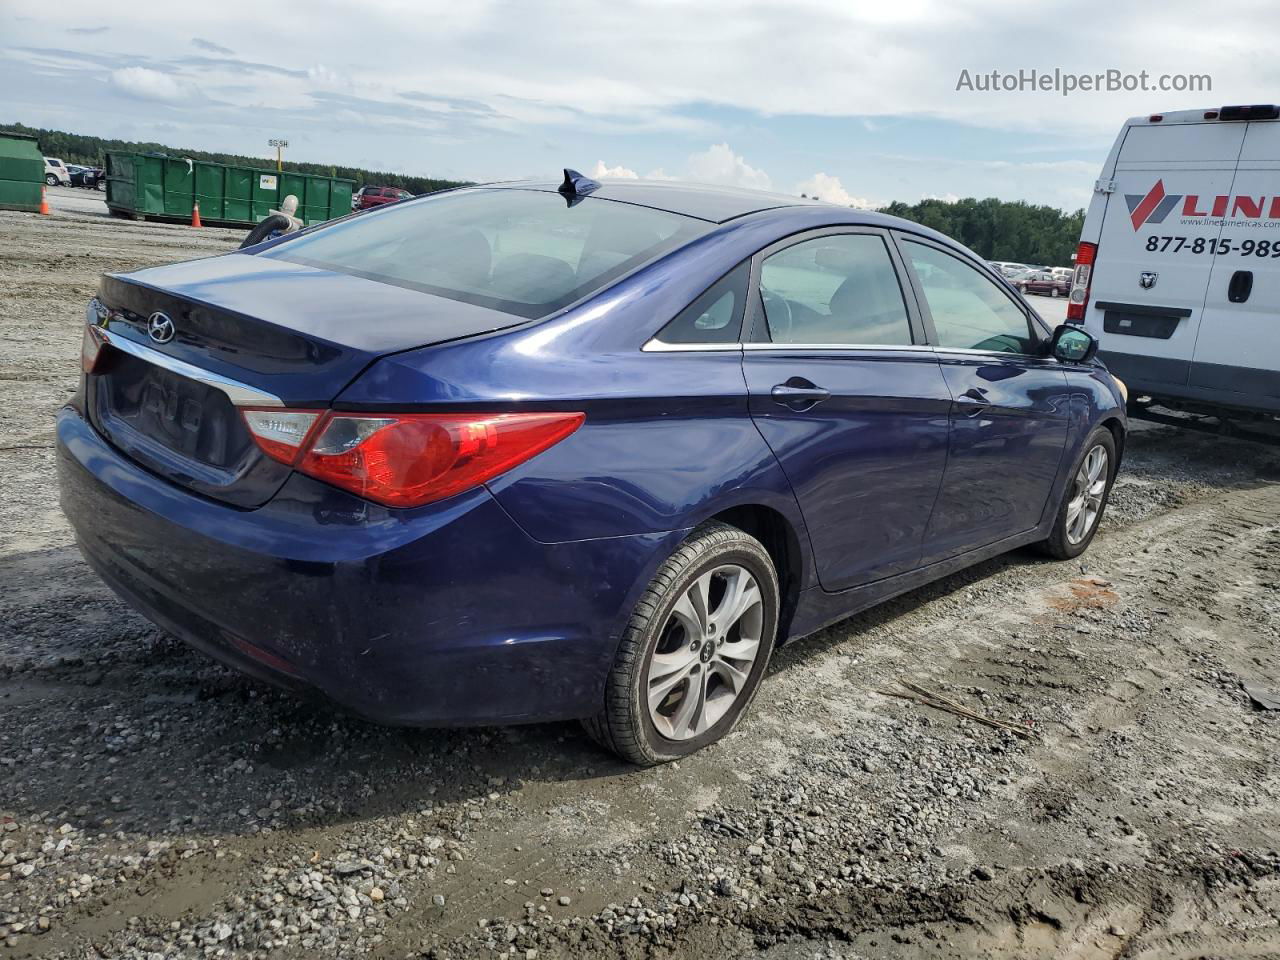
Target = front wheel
(695,650)
(1085,498)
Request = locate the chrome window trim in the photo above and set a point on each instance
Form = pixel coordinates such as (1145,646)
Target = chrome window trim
(655,345)
(240,394)
(879,347)
(658,346)
(996,354)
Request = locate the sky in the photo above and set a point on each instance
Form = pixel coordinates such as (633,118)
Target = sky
(858,103)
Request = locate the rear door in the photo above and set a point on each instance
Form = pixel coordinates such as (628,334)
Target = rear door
(849,398)
(1237,349)
(1010,404)
(1158,245)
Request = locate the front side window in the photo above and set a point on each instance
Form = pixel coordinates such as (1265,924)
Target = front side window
(970,311)
(838,289)
(525,252)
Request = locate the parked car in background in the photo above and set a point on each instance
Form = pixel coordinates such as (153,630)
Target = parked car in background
(1062,272)
(1042,282)
(1010,269)
(495,457)
(367,197)
(1177,273)
(91,178)
(56,173)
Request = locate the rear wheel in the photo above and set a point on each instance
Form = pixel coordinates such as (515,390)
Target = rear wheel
(695,650)
(50,179)
(1085,498)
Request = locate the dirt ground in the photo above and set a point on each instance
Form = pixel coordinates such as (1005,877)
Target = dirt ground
(156,805)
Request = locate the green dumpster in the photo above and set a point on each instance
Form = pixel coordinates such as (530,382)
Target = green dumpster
(158,187)
(22,172)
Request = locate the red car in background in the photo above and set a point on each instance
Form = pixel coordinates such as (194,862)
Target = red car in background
(1042,282)
(367,197)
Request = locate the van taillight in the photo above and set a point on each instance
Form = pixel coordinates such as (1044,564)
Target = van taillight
(1078,301)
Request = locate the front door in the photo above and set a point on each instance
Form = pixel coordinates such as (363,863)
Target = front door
(1010,404)
(849,398)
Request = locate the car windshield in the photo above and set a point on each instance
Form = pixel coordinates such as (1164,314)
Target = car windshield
(525,252)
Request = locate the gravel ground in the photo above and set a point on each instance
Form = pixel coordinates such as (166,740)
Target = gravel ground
(156,805)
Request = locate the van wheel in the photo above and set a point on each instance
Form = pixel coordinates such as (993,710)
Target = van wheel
(695,650)
(1053,292)
(1085,498)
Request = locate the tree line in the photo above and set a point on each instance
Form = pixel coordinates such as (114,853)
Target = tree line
(1000,229)
(994,229)
(92,152)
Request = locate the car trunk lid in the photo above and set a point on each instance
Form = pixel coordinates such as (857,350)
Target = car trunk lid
(186,346)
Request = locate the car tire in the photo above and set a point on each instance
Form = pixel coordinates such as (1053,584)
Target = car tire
(50,179)
(1053,292)
(658,628)
(1067,539)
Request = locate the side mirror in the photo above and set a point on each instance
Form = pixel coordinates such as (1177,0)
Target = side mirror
(1072,344)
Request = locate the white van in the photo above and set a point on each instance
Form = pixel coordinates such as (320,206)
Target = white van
(1178,269)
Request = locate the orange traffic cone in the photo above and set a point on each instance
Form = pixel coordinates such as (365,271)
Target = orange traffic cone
(195,213)
(44,200)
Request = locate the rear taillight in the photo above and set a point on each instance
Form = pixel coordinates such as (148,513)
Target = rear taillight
(91,342)
(90,349)
(406,459)
(1078,299)
(281,433)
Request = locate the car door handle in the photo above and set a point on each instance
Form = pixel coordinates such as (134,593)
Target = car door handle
(973,401)
(1240,287)
(798,394)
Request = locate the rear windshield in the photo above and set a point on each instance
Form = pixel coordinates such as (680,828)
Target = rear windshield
(525,252)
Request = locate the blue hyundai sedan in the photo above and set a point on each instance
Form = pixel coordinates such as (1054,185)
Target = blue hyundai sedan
(539,451)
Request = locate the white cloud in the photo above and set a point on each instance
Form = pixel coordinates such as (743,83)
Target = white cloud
(945,198)
(719,164)
(147,84)
(636,73)
(619,172)
(829,188)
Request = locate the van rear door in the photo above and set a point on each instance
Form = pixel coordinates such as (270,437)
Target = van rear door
(1238,347)
(1157,247)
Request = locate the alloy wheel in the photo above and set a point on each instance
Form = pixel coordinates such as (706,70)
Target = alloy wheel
(702,662)
(1086,497)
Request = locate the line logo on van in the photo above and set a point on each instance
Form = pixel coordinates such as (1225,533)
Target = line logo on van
(1155,205)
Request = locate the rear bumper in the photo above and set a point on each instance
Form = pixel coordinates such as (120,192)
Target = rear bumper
(445,615)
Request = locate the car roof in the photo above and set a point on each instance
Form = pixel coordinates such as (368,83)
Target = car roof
(710,202)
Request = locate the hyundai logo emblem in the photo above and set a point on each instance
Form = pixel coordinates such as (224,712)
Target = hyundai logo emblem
(160,328)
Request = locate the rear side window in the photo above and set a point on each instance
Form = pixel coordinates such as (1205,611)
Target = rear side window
(840,289)
(716,316)
(969,311)
(524,252)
